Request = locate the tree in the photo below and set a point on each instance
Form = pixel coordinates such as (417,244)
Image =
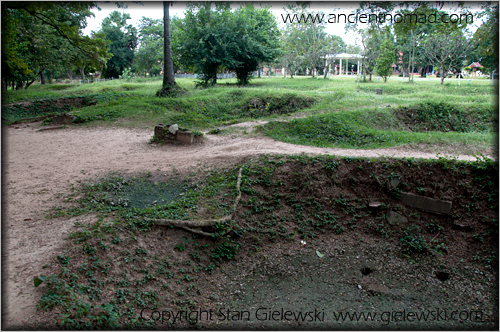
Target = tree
(211,38)
(123,39)
(307,38)
(386,59)
(83,63)
(415,27)
(168,65)
(486,38)
(204,39)
(446,53)
(370,41)
(149,56)
(256,36)
(58,26)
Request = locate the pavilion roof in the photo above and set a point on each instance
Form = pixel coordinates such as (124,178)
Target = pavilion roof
(342,56)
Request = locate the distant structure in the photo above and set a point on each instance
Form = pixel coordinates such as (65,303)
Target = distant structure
(474,66)
(331,59)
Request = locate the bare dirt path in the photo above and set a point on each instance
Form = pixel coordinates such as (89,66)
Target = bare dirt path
(40,165)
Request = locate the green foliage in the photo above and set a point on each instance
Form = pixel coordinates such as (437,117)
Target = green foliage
(446,53)
(57,47)
(385,59)
(128,75)
(64,260)
(433,227)
(210,38)
(445,117)
(123,39)
(335,129)
(225,250)
(486,37)
(257,40)
(149,55)
(304,43)
(413,243)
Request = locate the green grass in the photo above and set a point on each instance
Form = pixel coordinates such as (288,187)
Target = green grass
(343,112)
(370,128)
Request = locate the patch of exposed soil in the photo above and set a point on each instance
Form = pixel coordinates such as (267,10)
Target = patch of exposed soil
(38,166)
(22,111)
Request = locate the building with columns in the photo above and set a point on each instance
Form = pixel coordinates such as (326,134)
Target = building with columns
(344,60)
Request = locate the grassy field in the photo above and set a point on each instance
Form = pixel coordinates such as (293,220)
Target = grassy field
(121,263)
(337,113)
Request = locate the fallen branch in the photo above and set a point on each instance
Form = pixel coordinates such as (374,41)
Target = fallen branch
(190,224)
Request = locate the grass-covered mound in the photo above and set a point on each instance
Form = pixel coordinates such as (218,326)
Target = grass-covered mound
(446,117)
(377,128)
(121,264)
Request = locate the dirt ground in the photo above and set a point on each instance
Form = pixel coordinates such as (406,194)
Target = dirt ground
(38,166)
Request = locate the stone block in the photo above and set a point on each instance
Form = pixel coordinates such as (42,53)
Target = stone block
(185,137)
(162,133)
(374,204)
(394,218)
(426,204)
(393,184)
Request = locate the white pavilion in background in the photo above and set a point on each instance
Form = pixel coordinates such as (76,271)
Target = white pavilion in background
(331,58)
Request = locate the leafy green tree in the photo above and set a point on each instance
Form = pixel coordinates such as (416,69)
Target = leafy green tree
(204,39)
(415,27)
(371,40)
(256,36)
(486,38)
(212,38)
(58,26)
(84,64)
(386,59)
(446,53)
(123,39)
(308,38)
(149,56)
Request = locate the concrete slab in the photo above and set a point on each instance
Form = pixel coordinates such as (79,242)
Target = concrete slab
(426,203)
(185,137)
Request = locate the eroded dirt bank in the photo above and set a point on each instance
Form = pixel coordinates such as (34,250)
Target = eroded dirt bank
(37,166)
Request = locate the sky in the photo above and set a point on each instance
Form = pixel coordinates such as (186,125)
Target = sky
(154,9)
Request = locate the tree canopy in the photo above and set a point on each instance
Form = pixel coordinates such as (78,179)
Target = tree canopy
(58,26)
(123,39)
(212,37)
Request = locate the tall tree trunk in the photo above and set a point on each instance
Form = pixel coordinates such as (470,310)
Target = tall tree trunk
(82,72)
(168,71)
(50,77)
(42,77)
